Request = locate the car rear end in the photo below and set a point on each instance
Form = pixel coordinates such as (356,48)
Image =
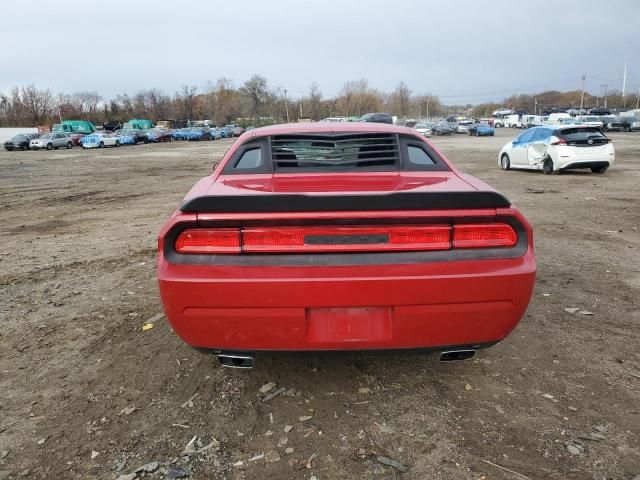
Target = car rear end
(579,147)
(40,142)
(302,256)
(90,141)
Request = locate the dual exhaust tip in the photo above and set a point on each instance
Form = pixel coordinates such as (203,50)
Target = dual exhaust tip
(247,360)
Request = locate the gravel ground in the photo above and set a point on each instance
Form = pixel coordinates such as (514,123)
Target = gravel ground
(88,394)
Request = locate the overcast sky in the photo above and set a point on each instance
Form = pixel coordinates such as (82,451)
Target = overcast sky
(463,50)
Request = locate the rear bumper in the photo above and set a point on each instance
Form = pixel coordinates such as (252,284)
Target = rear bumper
(429,305)
(586,164)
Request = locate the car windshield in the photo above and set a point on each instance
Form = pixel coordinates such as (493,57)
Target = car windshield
(19,138)
(47,135)
(421,125)
(592,119)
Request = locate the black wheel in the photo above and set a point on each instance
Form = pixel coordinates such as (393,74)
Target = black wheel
(49,146)
(101,145)
(117,143)
(599,169)
(69,145)
(547,167)
(505,162)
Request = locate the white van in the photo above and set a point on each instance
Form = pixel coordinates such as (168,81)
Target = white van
(555,117)
(513,121)
(529,121)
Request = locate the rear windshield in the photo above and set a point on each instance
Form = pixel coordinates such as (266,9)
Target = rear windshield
(577,134)
(368,151)
(303,153)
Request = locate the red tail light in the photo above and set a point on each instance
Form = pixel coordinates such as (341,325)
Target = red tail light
(345,239)
(209,241)
(488,235)
(560,141)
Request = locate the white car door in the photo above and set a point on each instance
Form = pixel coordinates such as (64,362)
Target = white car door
(109,141)
(518,155)
(537,149)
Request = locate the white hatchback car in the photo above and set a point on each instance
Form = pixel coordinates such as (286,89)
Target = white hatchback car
(552,148)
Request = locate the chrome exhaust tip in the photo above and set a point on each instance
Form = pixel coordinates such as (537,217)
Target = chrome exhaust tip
(454,355)
(236,360)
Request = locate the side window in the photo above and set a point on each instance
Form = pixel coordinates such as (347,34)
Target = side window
(250,159)
(526,136)
(418,156)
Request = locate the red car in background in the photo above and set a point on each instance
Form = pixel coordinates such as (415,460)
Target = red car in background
(343,236)
(76,138)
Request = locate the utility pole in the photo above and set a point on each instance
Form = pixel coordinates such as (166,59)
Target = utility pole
(604,88)
(584,77)
(286,104)
(300,108)
(638,100)
(624,86)
(428,117)
(535,106)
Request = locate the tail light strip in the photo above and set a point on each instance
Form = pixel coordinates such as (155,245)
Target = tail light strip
(344,239)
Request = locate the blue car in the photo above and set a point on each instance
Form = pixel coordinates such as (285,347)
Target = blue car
(180,134)
(481,130)
(157,135)
(126,137)
(198,133)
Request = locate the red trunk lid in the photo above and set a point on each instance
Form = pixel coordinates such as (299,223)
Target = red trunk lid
(322,183)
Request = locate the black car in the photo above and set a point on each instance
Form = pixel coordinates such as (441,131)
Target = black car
(20,141)
(442,128)
(614,124)
(376,118)
(112,125)
(599,111)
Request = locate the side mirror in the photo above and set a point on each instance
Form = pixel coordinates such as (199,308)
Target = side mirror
(215,166)
(515,142)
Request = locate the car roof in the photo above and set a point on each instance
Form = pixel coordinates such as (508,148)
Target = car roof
(326,127)
(560,126)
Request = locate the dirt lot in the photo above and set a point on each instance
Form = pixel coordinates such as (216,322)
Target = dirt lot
(86,394)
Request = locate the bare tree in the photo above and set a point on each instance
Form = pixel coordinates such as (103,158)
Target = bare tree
(401,99)
(187,97)
(227,101)
(38,104)
(315,102)
(255,91)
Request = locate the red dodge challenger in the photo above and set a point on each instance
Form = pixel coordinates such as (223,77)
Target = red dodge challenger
(343,236)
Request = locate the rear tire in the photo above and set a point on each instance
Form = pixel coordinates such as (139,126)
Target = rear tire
(49,146)
(117,143)
(547,167)
(101,145)
(69,145)
(505,162)
(599,169)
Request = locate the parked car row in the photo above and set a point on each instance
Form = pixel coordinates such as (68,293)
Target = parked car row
(124,136)
(606,122)
(443,127)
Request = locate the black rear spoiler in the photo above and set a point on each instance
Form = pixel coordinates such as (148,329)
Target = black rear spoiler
(363,202)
